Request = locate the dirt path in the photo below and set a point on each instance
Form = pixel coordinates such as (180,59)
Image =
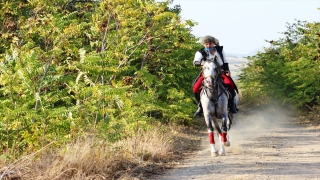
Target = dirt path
(265,144)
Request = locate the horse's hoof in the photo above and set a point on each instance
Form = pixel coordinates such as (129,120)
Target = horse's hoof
(214,153)
(221,153)
(227,144)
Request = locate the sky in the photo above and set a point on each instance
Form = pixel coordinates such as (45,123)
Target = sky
(242,26)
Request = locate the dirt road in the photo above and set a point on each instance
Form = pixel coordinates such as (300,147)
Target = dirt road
(265,144)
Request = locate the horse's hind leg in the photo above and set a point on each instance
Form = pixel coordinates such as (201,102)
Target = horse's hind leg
(224,135)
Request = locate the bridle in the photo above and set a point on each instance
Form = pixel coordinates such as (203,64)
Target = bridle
(215,84)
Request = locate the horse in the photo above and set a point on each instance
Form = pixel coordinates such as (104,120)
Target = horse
(214,99)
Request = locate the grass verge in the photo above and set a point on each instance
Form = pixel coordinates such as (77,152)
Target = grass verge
(139,157)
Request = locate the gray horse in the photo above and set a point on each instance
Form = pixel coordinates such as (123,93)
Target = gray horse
(214,100)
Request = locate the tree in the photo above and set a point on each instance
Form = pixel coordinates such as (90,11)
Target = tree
(70,68)
(289,70)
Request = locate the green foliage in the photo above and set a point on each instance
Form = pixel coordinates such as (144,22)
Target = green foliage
(111,67)
(289,70)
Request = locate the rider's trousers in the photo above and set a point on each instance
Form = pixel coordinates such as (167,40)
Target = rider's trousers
(226,79)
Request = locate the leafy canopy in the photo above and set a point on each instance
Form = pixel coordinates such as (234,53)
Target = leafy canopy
(110,67)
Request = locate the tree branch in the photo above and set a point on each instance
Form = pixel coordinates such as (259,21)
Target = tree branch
(42,79)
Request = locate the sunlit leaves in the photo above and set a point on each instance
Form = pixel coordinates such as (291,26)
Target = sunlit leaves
(289,70)
(70,67)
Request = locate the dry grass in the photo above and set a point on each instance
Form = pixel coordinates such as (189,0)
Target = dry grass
(139,157)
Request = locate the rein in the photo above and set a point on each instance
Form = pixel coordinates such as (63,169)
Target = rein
(212,92)
(216,82)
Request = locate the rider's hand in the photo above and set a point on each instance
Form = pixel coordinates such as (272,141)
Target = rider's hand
(227,73)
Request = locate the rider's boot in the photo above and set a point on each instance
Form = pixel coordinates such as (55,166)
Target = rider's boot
(233,108)
(199,110)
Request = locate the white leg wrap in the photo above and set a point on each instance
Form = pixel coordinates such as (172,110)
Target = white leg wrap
(222,151)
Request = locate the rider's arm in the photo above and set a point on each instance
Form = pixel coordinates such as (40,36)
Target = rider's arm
(225,65)
(197,59)
(225,60)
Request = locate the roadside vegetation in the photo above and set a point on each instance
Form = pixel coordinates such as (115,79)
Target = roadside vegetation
(102,89)
(91,89)
(288,71)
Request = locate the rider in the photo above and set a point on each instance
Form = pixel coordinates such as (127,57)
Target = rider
(211,50)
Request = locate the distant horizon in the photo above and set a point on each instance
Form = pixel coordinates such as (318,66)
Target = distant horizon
(251,53)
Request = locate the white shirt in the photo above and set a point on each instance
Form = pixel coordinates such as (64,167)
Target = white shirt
(198,56)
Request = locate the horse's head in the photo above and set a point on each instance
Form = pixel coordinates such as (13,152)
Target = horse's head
(209,73)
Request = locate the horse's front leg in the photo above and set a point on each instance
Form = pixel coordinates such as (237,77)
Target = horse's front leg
(208,109)
(208,119)
(219,132)
(224,136)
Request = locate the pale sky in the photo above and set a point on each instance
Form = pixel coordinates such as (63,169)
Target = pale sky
(242,26)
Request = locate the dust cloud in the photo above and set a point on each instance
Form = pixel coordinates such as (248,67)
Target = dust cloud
(250,124)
